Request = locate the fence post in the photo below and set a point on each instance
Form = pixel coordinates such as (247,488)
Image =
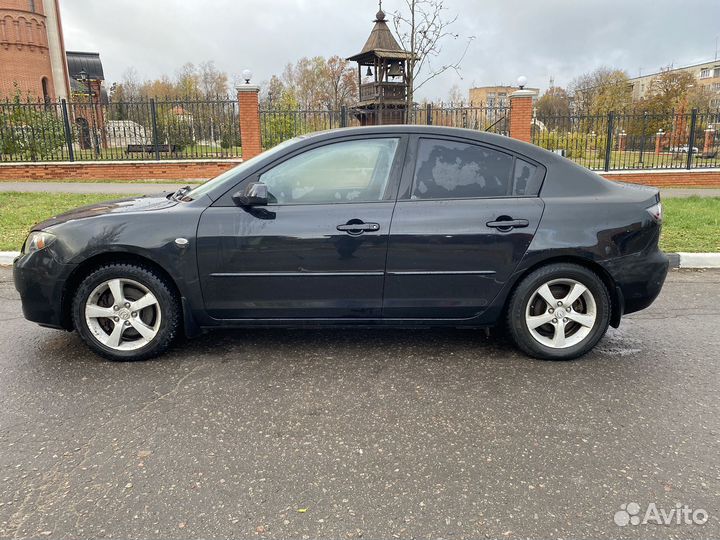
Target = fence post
(521,115)
(642,138)
(428,114)
(691,138)
(156,143)
(608,144)
(68,131)
(343,116)
(249,117)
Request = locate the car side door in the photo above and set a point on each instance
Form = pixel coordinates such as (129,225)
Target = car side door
(318,249)
(465,216)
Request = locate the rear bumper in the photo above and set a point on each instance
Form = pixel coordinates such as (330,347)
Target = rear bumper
(40,280)
(639,277)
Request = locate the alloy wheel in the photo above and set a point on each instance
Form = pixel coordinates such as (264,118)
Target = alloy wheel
(561,313)
(123,314)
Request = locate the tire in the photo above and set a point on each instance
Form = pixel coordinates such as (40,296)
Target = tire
(140,324)
(556,332)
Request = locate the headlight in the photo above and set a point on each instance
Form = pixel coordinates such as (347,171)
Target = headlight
(37,240)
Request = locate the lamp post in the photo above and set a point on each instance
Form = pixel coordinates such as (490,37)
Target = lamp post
(83,78)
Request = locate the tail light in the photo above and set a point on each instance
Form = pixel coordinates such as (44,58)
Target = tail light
(656,212)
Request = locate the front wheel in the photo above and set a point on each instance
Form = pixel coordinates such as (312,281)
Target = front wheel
(125,312)
(559,312)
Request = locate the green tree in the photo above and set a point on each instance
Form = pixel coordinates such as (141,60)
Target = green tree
(283,122)
(30,130)
(553,106)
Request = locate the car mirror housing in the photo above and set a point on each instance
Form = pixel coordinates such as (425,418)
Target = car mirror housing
(254,194)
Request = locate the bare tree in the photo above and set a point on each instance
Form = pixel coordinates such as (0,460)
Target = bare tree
(213,82)
(422,29)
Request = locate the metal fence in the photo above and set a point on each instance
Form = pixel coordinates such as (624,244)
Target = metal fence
(160,129)
(631,141)
(278,125)
(128,130)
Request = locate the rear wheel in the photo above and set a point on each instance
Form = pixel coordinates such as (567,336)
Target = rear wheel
(559,312)
(125,312)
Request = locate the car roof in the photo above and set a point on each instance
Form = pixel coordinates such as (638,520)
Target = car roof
(513,145)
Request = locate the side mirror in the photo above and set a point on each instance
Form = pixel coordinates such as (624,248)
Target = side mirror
(254,194)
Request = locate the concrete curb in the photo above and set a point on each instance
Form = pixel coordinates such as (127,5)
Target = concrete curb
(677,260)
(699,260)
(7,257)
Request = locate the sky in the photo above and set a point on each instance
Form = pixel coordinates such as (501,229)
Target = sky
(541,39)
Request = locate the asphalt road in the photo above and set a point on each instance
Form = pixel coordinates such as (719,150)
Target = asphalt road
(372,434)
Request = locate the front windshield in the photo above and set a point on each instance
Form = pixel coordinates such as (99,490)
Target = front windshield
(232,176)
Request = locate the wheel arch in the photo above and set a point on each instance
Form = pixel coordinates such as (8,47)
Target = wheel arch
(616,299)
(113,257)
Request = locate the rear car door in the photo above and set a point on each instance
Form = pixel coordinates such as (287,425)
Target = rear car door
(465,217)
(318,249)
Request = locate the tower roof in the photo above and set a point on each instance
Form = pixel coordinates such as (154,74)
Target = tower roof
(381,42)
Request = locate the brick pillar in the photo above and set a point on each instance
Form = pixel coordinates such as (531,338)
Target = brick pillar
(521,115)
(709,140)
(621,141)
(249,108)
(659,136)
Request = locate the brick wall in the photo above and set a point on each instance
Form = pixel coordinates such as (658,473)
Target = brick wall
(145,170)
(521,113)
(679,178)
(24,54)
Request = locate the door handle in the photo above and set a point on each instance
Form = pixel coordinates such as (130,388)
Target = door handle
(358,228)
(507,224)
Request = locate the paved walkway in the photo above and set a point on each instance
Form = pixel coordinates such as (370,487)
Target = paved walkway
(669,193)
(157,187)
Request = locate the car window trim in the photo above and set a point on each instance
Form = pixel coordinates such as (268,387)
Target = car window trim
(390,189)
(408,178)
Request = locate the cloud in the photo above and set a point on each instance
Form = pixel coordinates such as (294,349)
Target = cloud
(540,39)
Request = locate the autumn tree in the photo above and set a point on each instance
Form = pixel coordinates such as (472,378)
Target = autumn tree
(554,102)
(187,82)
(671,90)
(423,28)
(600,91)
(316,83)
(341,84)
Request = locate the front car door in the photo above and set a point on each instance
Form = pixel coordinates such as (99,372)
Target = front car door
(464,219)
(318,249)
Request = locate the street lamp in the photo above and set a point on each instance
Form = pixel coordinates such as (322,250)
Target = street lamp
(83,78)
(247,75)
(522,81)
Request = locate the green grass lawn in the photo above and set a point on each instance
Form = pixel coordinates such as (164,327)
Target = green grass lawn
(691,224)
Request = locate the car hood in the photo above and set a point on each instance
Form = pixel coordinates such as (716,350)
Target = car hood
(146,203)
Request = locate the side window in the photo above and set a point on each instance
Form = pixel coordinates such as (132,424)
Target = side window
(351,171)
(453,170)
(525,179)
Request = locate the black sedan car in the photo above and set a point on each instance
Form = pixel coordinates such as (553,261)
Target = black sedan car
(383,226)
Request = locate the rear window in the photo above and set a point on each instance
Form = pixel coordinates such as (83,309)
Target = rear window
(525,179)
(454,170)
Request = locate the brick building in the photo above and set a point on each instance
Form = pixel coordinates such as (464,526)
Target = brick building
(497,96)
(32,49)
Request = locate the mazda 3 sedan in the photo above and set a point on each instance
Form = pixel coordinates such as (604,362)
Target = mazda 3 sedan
(384,226)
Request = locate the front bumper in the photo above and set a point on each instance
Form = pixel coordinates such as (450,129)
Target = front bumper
(640,277)
(40,280)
